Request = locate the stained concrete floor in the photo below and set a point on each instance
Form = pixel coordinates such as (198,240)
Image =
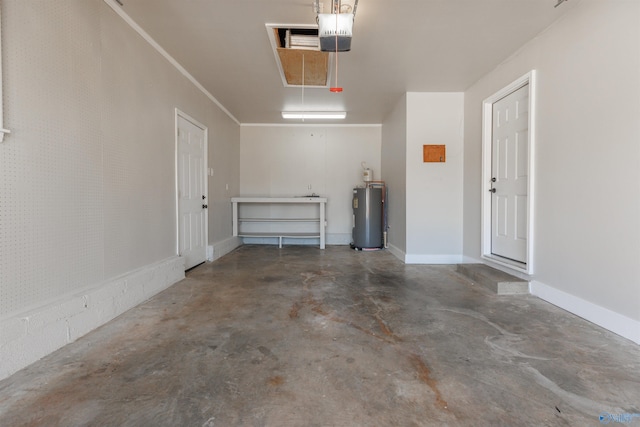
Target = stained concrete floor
(303,337)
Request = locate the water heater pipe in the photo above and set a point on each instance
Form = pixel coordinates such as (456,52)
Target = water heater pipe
(385,194)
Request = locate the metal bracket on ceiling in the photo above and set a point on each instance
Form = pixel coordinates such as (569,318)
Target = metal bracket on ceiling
(337,5)
(559,3)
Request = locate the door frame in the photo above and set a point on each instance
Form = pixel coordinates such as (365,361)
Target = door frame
(486,220)
(178,114)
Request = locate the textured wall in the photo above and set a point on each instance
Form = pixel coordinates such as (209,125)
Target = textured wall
(87,176)
(51,170)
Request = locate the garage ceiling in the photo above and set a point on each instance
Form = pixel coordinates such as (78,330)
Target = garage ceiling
(398,46)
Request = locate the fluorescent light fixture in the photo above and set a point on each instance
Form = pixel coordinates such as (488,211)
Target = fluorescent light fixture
(314,114)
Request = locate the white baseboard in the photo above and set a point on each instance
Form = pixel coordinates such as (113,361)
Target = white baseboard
(223,247)
(610,320)
(29,336)
(432,259)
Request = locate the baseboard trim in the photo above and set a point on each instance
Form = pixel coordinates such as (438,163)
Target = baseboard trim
(29,336)
(610,320)
(223,247)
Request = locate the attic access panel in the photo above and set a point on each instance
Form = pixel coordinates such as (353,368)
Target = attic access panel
(315,66)
(290,43)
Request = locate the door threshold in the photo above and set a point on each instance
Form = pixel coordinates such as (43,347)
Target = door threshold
(518,266)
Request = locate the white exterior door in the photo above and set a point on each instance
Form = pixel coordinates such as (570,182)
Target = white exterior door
(192,196)
(509,176)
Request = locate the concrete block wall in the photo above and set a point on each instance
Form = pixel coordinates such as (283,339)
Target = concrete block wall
(32,335)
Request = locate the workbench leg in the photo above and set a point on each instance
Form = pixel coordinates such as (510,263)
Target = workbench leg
(235,218)
(322,225)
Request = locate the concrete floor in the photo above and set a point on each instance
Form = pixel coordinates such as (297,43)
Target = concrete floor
(303,337)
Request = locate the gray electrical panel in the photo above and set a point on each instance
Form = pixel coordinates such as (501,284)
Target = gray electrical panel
(367,218)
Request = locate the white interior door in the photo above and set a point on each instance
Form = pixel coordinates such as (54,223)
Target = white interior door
(509,169)
(192,201)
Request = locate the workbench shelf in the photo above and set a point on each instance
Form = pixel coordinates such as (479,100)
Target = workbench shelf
(268,229)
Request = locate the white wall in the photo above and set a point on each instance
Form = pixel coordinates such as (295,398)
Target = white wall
(425,199)
(224,159)
(285,160)
(394,170)
(587,227)
(87,176)
(434,190)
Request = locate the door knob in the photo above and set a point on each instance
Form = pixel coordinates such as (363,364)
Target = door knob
(493,190)
(204,206)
